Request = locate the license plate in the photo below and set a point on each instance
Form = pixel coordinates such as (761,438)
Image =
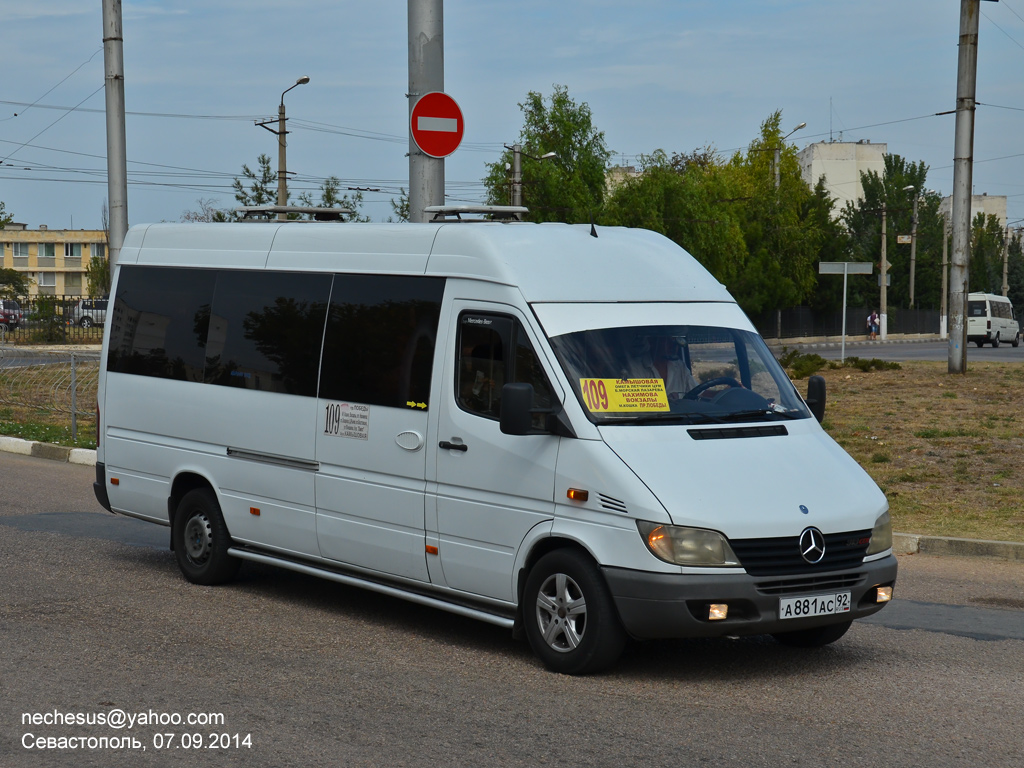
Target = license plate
(815,605)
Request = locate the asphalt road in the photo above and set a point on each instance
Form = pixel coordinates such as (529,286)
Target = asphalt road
(94,617)
(910,350)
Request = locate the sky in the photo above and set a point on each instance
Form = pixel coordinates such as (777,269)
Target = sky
(674,75)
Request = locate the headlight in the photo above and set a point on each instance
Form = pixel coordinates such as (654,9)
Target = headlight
(881,535)
(686,546)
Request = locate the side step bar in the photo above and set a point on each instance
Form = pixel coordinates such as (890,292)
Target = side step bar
(354,581)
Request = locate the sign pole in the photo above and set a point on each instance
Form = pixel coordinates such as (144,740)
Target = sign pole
(426,74)
(844,268)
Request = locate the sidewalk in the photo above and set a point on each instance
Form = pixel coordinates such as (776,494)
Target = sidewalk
(903,543)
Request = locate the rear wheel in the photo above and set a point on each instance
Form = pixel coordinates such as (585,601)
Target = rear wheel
(980,344)
(995,341)
(813,638)
(569,615)
(85,322)
(201,539)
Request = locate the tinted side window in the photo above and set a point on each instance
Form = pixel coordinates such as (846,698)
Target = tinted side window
(159,322)
(379,343)
(494,350)
(266,329)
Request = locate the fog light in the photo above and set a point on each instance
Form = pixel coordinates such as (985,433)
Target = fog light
(883,594)
(717,611)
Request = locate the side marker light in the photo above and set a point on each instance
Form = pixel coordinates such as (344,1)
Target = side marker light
(431,550)
(114,481)
(254,511)
(577,494)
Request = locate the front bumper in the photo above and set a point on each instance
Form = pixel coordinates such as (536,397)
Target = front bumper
(657,605)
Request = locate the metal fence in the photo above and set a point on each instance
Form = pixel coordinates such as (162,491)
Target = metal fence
(52,320)
(804,322)
(55,382)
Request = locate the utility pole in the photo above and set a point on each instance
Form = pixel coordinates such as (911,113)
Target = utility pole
(1006,257)
(282,144)
(966,79)
(883,307)
(117,154)
(517,174)
(426,75)
(913,248)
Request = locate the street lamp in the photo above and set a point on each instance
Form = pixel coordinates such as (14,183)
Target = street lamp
(517,171)
(282,164)
(778,151)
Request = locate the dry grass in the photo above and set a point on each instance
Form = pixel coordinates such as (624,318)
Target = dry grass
(947,450)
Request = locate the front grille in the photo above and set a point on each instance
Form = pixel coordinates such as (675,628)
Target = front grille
(803,585)
(781,556)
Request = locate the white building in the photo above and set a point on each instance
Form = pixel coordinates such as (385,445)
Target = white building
(990,205)
(841,163)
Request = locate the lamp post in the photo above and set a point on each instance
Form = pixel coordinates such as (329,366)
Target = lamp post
(282,163)
(778,152)
(913,240)
(517,170)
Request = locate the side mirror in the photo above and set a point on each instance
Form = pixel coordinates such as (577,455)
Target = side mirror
(516,402)
(517,413)
(816,396)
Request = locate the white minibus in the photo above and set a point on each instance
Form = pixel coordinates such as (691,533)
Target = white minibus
(990,320)
(572,432)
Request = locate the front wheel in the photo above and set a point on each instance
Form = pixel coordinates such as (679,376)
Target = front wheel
(813,638)
(201,540)
(1016,340)
(569,615)
(85,322)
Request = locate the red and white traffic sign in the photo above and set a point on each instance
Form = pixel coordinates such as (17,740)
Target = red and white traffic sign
(436,124)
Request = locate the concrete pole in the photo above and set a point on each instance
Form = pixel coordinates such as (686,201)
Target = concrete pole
(883,301)
(282,160)
(913,248)
(1006,258)
(426,74)
(517,174)
(966,78)
(117,154)
(777,162)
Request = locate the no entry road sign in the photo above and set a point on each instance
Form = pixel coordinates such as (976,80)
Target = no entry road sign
(437,124)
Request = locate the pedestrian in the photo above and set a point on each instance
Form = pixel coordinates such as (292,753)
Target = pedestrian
(873,325)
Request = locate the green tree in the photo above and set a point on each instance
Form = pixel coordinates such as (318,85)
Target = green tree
(332,197)
(782,238)
(569,187)
(985,272)
(259,187)
(863,221)
(13,284)
(5,218)
(98,276)
(689,199)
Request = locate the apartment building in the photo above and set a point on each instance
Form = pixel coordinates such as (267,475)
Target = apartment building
(55,260)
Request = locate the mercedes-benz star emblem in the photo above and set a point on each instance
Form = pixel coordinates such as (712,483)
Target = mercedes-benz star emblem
(812,545)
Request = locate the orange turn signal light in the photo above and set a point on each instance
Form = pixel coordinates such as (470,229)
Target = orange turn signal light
(255,511)
(431,549)
(577,494)
(114,481)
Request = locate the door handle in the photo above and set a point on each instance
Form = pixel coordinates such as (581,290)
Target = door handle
(453,446)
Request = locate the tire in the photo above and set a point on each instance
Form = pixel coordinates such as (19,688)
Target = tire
(201,540)
(980,344)
(813,638)
(1016,340)
(585,638)
(995,342)
(85,322)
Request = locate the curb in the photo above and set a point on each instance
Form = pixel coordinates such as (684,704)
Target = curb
(902,543)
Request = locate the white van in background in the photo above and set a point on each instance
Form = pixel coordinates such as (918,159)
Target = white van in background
(571,432)
(990,320)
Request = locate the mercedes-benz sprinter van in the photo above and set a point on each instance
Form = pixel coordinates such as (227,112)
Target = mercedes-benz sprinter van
(568,431)
(990,320)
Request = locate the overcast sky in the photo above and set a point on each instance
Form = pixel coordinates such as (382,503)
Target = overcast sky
(657,74)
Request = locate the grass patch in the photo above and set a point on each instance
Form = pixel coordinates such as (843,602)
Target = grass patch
(944,467)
